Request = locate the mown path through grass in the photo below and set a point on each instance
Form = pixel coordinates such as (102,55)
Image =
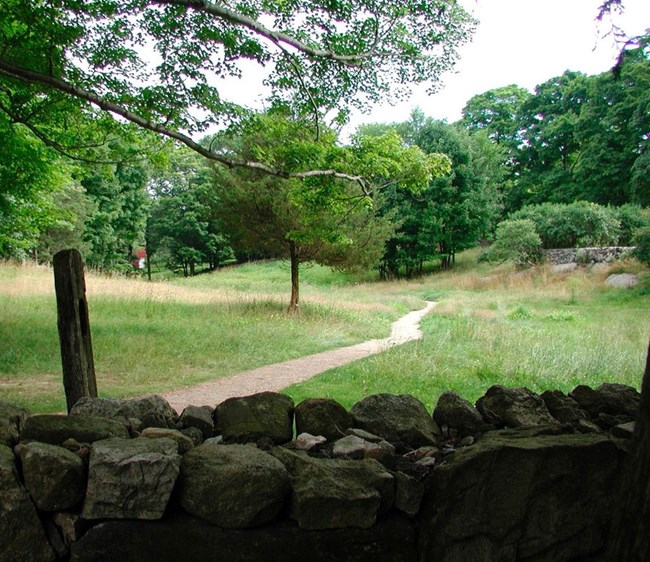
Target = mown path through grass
(281,375)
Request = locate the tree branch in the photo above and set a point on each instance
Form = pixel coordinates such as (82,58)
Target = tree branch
(34,77)
(275,37)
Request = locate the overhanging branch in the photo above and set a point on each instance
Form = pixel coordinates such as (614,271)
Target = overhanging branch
(33,77)
(275,37)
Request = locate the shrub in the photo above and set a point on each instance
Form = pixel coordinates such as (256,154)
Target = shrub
(641,240)
(516,240)
(574,225)
(632,218)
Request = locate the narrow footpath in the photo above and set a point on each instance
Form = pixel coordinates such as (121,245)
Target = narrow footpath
(281,375)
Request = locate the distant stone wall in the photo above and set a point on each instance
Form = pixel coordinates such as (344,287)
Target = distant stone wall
(516,476)
(586,256)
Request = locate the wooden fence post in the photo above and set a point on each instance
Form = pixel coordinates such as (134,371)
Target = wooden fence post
(74,327)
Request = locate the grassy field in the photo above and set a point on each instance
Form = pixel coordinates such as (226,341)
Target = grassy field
(492,326)
(151,337)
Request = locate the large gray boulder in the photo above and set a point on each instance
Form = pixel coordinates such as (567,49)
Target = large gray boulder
(514,407)
(150,411)
(54,477)
(55,429)
(334,494)
(22,538)
(400,419)
(233,486)
(267,415)
(12,419)
(322,416)
(131,478)
(521,495)
(455,412)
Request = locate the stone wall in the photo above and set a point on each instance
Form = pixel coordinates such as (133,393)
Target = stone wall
(517,476)
(586,256)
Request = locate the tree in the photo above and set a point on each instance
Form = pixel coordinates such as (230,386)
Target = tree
(323,58)
(613,131)
(320,218)
(551,146)
(30,176)
(498,113)
(516,240)
(182,222)
(117,222)
(464,205)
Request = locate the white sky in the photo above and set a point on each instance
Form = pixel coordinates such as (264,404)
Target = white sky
(522,42)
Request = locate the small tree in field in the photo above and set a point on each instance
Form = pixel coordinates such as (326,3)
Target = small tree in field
(320,218)
(516,240)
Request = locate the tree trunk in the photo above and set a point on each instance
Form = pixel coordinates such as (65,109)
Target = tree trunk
(148,266)
(74,327)
(629,537)
(295,282)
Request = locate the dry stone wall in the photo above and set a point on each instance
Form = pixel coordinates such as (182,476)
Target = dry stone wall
(587,256)
(518,476)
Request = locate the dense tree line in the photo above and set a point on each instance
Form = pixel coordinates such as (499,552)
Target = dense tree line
(72,176)
(576,137)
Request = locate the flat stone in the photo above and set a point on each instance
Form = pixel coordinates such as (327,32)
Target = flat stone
(456,412)
(322,416)
(12,419)
(402,420)
(55,429)
(624,430)
(306,441)
(233,486)
(349,447)
(514,407)
(562,407)
(199,417)
(335,494)
(150,411)
(622,280)
(183,441)
(392,539)
(267,415)
(131,478)
(22,536)
(517,495)
(54,477)
(408,493)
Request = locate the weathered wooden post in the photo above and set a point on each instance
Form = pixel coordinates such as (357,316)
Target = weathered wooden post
(74,327)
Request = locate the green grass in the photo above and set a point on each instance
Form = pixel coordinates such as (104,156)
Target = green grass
(492,326)
(155,337)
(539,331)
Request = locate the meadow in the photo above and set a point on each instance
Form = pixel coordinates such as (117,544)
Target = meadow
(537,329)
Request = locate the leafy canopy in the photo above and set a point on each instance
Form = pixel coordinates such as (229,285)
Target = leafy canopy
(158,63)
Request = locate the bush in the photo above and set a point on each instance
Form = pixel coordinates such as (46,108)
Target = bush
(641,240)
(578,224)
(516,240)
(632,218)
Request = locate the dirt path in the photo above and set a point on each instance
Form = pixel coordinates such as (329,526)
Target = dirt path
(280,375)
